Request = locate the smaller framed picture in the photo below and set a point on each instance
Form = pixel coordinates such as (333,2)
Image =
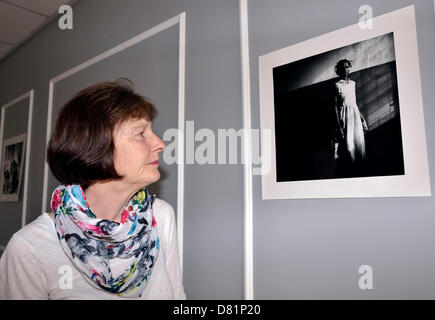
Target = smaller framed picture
(12,160)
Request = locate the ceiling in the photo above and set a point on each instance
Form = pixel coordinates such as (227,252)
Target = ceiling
(21,19)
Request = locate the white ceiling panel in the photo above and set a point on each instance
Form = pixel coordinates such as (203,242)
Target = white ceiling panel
(45,7)
(21,19)
(16,23)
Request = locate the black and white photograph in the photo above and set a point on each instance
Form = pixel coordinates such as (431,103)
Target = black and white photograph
(13,156)
(337,114)
(345,113)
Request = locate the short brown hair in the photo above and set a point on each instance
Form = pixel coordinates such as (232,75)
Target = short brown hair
(80,150)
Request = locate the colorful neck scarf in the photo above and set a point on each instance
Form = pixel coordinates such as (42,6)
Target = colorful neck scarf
(90,242)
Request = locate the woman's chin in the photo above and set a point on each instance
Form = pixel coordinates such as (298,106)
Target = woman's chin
(154,177)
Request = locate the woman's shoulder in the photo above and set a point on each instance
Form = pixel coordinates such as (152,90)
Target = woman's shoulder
(32,246)
(42,229)
(342,84)
(162,210)
(165,218)
(338,83)
(342,81)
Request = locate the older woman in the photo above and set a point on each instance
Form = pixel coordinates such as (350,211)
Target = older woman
(106,236)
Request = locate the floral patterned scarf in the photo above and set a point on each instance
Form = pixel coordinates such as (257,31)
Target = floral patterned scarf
(90,242)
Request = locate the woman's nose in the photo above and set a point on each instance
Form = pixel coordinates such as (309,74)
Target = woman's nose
(158,143)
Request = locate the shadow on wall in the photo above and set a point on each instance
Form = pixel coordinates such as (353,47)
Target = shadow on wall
(320,67)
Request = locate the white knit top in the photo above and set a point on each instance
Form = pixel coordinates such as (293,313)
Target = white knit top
(34,265)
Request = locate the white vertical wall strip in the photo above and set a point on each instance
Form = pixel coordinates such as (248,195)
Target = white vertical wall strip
(47,138)
(27,163)
(181,121)
(247,153)
(2,123)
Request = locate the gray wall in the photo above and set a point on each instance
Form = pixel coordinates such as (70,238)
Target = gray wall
(302,248)
(312,249)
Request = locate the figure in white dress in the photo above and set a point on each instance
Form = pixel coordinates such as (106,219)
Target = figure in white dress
(350,144)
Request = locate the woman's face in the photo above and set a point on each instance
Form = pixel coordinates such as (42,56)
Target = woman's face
(136,152)
(344,69)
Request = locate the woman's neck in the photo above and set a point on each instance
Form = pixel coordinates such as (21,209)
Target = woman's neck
(107,199)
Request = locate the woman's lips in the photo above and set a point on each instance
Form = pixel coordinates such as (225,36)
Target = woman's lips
(154,162)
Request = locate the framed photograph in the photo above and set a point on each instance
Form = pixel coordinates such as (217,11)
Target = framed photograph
(12,160)
(346,116)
